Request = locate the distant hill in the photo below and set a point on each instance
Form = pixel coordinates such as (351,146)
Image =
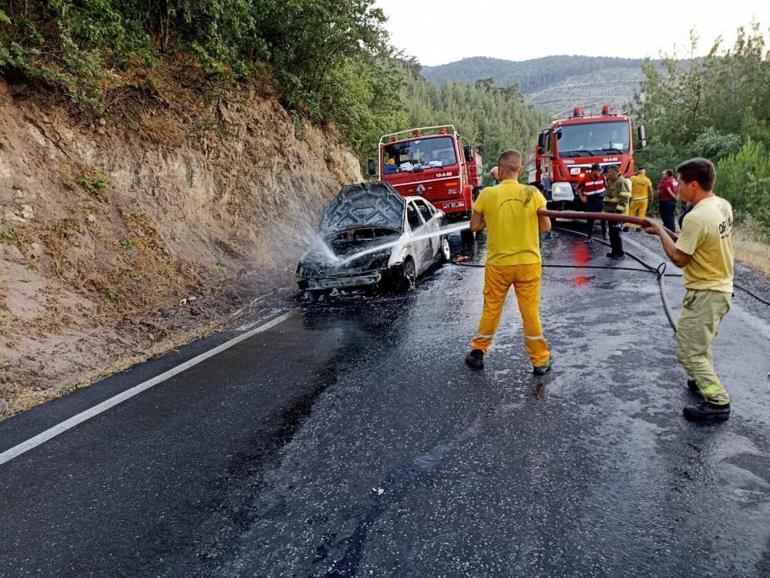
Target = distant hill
(552,83)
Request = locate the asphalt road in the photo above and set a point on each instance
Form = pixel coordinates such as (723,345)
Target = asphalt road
(351,440)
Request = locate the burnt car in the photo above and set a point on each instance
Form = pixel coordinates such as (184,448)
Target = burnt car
(373,238)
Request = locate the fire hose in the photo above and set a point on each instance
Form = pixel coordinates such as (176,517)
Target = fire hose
(660,270)
(635,221)
(612,217)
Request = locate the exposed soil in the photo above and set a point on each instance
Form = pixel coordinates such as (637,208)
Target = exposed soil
(108,224)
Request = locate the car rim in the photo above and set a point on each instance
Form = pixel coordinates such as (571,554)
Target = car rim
(409,275)
(445,248)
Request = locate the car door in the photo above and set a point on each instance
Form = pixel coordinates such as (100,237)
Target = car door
(420,243)
(431,227)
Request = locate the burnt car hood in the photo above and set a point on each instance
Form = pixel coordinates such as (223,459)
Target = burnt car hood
(375,204)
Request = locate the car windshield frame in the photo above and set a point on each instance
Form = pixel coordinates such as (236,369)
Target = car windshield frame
(419,154)
(594,139)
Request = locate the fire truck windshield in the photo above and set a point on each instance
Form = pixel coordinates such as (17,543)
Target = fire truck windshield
(593,139)
(416,155)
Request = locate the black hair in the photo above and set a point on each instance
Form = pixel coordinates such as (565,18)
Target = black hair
(700,170)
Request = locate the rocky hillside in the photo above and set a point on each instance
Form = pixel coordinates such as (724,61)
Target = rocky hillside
(553,83)
(123,235)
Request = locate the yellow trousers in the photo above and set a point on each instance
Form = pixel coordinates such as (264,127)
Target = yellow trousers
(638,208)
(525,280)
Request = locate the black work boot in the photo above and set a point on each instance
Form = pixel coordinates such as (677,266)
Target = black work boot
(616,256)
(707,412)
(541,369)
(693,387)
(475,359)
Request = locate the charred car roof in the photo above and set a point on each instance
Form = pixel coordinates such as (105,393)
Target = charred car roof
(375,204)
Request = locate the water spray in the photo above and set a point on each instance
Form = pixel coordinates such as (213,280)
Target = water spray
(334,260)
(417,236)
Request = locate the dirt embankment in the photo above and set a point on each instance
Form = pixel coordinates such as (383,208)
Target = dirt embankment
(106,226)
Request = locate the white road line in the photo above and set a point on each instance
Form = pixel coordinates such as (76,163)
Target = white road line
(50,433)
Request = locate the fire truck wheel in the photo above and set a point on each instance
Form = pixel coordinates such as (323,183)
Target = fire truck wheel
(446,250)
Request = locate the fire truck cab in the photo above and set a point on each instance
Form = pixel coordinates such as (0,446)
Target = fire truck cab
(568,147)
(433,162)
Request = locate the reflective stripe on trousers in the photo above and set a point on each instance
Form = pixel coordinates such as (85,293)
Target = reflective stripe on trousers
(525,280)
(702,312)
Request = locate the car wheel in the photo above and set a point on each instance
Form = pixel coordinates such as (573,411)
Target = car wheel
(446,250)
(408,276)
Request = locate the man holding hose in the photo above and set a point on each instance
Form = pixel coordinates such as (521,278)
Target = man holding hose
(704,251)
(509,213)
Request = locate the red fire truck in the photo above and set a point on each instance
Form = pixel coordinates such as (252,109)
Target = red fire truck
(434,162)
(568,147)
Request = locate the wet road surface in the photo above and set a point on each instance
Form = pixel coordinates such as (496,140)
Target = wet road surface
(351,440)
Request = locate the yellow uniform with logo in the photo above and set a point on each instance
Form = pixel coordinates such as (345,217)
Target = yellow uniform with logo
(708,278)
(641,189)
(513,259)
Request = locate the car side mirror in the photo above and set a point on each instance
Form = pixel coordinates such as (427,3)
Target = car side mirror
(641,136)
(372,167)
(468,150)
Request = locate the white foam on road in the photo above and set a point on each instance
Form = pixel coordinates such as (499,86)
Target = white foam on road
(75,420)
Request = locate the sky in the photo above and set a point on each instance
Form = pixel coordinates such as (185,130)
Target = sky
(441,31)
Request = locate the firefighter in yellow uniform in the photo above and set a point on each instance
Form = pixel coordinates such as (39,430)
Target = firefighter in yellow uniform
(704,251)
(509,213)
(641,195)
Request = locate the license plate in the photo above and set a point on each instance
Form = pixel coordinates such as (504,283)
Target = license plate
(453,205)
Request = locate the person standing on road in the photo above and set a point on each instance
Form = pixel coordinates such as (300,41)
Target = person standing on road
(509,213)
(667,199)
(591,193)
(616,200)
(493,174)
(704,251)
(641,195)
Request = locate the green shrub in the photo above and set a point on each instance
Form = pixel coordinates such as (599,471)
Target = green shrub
(9,234)
(331,61)
(95,186)
(743,178)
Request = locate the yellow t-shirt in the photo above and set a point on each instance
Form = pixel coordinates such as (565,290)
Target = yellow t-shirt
(510,213)
(641,185)
(707,237)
